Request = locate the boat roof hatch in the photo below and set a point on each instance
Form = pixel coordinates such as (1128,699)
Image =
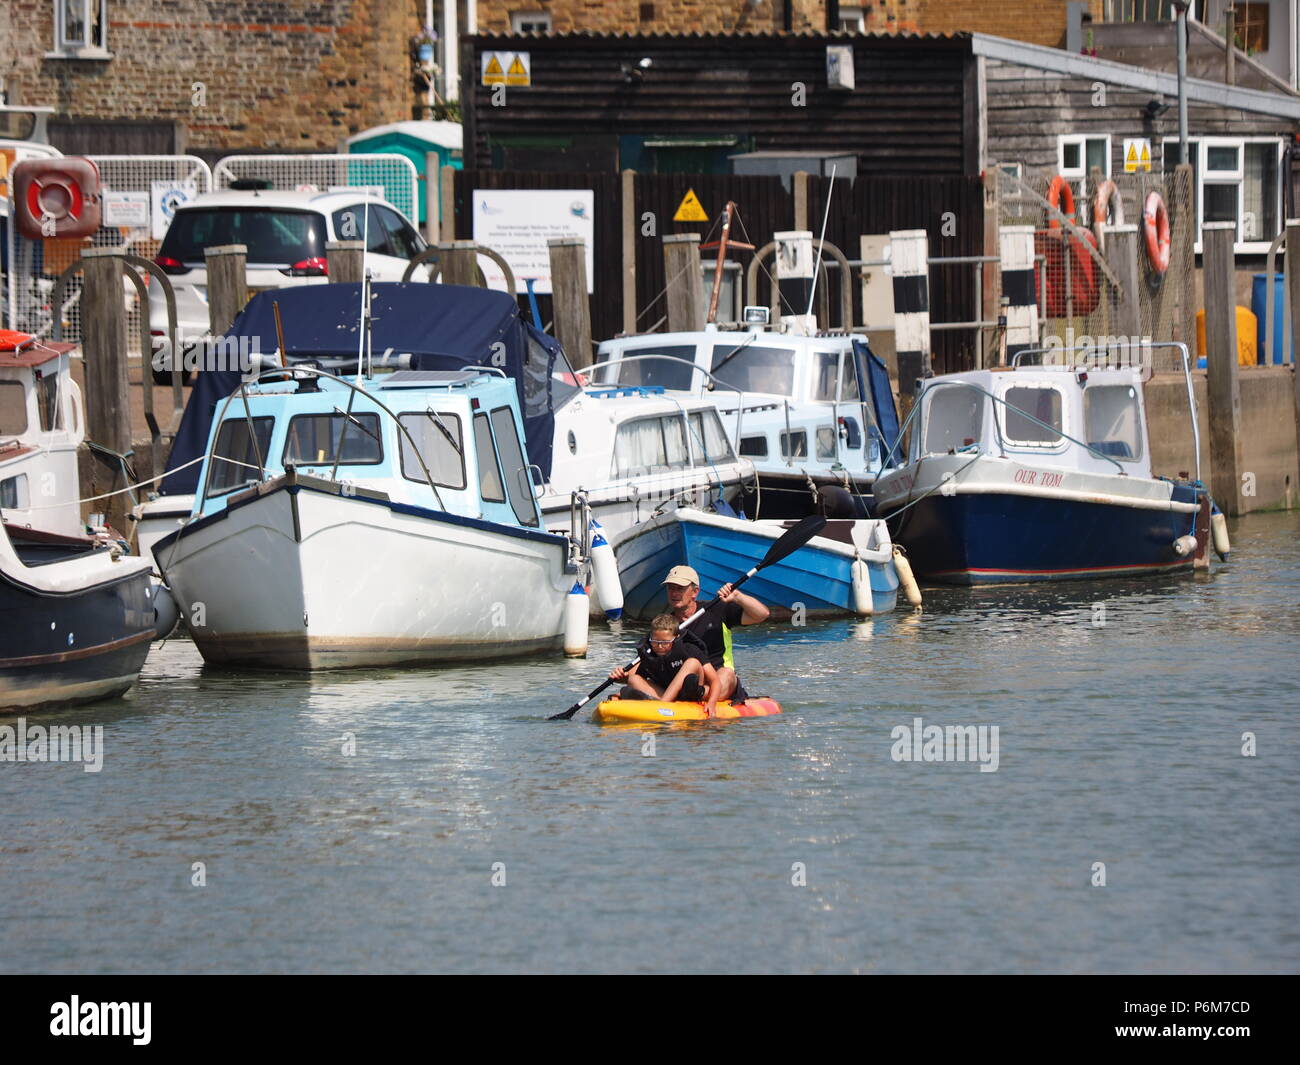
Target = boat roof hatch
(433,378)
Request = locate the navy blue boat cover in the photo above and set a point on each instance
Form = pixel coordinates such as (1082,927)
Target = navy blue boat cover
(442,327)
(873,372)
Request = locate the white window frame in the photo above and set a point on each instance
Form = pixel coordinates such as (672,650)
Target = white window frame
(1078,176)
(1004,411)
(520,19)
(852,19)
(85,48)
(1202,145)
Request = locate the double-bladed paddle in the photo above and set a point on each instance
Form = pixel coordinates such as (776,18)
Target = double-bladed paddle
(790,542)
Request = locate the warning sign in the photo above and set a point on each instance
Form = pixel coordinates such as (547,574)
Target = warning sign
(1137,154)
(507,68)
(690,209)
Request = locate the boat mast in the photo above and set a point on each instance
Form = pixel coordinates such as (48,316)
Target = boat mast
(722,244)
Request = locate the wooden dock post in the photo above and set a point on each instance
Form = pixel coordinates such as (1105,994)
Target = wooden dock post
(1016,250)
(1122,255)
(447,197)
(108,400)
(685,289)
(227,285)
(800,189)
(1223,392)
(432,197)
(569,298)
(1293,280)
(344,258)
(629,250)
(459,262)
(910,256)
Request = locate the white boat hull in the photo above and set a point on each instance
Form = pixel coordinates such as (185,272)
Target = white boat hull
(295,574)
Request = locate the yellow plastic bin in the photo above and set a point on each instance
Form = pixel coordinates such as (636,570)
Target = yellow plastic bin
(1247,338)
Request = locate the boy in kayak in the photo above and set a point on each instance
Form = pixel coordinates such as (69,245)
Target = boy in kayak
(713,630)
(669,666)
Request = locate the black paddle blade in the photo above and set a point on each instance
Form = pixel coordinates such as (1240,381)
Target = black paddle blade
(564,715)
(793,539)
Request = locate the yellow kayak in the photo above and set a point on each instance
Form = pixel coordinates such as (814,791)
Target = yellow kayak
(647,711)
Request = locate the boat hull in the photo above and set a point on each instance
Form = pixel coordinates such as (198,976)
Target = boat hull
(295,574)
(814,581)
(788,497)
(655,711)
(80,642)
(999,539)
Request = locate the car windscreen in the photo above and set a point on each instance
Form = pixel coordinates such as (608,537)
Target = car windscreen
(273,236)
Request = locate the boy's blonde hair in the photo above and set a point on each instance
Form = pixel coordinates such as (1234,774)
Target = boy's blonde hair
(664,623)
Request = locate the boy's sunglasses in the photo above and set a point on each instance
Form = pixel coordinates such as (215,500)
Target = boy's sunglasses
(661,643)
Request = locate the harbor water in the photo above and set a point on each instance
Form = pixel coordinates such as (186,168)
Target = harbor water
(434,820)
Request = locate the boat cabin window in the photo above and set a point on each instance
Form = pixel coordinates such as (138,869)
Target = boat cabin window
(1113,421)
(437,435)
(489,472)
(711,443)
(794,444)
(235,458)
(754,446)
(321,439)
(13,408)
(13,492)
(650,445)
(47,396)
(1023,406)
(954,417)
(826,442)
(754,369)
(827,370)
(674,372)
(518,484)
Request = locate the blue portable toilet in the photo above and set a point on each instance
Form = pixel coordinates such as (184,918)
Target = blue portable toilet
(414,139)
(1272,335)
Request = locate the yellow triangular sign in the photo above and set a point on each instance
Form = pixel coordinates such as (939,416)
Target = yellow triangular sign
(516,66)
(690,210)
(1146,155)
(1131,159)
(493,68)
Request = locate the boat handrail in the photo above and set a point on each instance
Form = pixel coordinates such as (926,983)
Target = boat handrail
(1002,446)
(1149,346)
(317,372)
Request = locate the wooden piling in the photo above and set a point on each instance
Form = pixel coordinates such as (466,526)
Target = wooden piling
(1223,392)
(447,197)
(345,258)
(432,197)
(800,188)
(108,402)
(569,298)
(685,291)
(1122,255)
(1293,281)
(227,285)
(459,262)
(629,250)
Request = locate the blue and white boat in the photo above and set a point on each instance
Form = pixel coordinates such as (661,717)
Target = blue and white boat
(1039,472)
(377,518)
(847,569)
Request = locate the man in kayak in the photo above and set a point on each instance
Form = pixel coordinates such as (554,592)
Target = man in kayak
(713,630)
(668,667)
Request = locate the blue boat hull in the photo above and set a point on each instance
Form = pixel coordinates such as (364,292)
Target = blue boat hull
(998,539)
(818,580)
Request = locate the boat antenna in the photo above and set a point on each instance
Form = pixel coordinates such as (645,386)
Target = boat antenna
(817,266)
(364,328)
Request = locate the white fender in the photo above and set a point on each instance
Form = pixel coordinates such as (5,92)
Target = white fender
(1219,529)
(1185,545)
(906,579)
(604,571)
(861,573)
(575,621)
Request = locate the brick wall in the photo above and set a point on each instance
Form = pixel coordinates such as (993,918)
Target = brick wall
(1036,21)
(275,74)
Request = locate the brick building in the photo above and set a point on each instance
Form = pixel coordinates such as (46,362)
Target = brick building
(140,76)
(1035,21)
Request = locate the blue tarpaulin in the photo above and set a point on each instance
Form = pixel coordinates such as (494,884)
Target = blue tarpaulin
(442,327)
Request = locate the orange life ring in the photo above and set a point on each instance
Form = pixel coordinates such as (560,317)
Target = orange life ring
(1060,188)
(12,340)
(1107,203)
(1155,231)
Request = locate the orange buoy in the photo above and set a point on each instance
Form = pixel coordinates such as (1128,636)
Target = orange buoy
(1107,209)
(1060,190)
(1155,231)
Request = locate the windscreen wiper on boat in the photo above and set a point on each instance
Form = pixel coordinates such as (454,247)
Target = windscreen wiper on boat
(359,424)
(437,420)
(733,353)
